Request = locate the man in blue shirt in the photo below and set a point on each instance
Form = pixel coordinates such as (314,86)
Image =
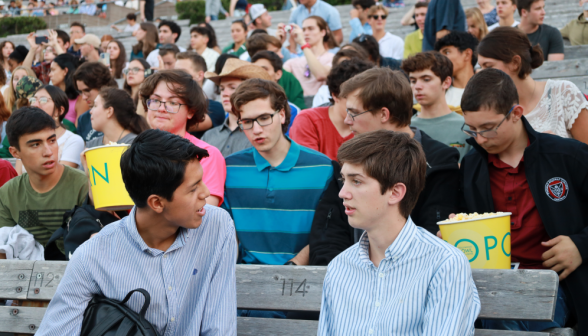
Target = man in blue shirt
(359,18)
(272,189)
(442,17)
(399,279)
(172,244)
(320,8)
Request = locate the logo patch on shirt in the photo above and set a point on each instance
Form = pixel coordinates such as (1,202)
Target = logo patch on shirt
(557,189)
(194,272)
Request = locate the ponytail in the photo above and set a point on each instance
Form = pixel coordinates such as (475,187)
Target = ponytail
(124,110)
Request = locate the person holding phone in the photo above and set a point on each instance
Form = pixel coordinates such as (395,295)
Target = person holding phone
(89,46)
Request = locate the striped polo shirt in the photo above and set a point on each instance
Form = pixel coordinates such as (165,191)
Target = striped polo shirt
(273,207)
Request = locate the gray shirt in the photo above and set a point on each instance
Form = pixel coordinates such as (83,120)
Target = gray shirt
(445,129)
(227,141)
(127,139)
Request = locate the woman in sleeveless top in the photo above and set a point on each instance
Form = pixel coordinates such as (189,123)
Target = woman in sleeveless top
(62,71)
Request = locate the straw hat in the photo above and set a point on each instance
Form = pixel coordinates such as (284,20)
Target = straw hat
(236,68)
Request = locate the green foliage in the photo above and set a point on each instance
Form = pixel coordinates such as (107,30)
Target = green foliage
(20,25)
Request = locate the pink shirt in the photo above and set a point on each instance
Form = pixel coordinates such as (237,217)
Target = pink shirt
(215,169)
(71,114)
(299,66)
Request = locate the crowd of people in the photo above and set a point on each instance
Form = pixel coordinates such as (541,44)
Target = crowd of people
(230,161)
(15,8)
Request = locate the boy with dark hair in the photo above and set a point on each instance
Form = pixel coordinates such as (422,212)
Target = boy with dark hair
(383,173)
(175,103)
(532,14)
(76,31)
(323,128)
(286,79)
(380,98)
(460,48)
(132,24)
(63,39)
(413,42)
(195,65)
(199,37)
(536,177)
(372,47)
(37,199)
(505,10)
(89,79)
(168,53)
(359,18)
(169,33)
(172,244)
(430,76)
(259,180)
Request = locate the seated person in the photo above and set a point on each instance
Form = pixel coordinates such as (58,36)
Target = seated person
(575,31)
(371,46)
(272,63)
(380,98)
(549,226)
(460,48)
(199,37)
(114,116)
(195,65)
(390,45)
(291,85)
(359,18)
(430,75)
(383,173)
(229,138)
(174,103)
(167,56)
(170,236)
(532,14)
(313,67)
(169,33)
(413,42)
(505,10)
(266,183)
(323,128)
(38,199)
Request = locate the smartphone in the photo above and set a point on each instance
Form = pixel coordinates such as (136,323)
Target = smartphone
(105,59)
(41,39)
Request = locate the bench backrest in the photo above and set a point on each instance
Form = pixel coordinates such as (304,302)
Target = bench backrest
(505,294)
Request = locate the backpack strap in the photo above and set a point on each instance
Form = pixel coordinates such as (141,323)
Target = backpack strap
(125,326)
(147,300)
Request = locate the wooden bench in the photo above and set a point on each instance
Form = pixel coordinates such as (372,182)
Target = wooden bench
(504,294)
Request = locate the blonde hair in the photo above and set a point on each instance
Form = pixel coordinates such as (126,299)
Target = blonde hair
(10,98)
(375,8)
(476,14)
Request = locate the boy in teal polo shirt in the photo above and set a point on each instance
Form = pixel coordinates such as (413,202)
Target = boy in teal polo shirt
(273,188)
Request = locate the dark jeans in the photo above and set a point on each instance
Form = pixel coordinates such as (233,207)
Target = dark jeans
(559,320)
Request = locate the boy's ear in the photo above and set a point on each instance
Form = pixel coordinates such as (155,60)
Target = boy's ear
(397,193)
(14,152)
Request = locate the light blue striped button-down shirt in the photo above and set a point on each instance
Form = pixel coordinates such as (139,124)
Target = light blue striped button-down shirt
(424,286)
(192,284)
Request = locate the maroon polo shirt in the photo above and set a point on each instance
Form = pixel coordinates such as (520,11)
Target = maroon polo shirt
(511,193)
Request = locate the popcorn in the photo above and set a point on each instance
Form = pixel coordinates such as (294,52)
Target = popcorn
(464,216)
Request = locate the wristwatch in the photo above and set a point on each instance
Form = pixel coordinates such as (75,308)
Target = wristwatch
(290,263)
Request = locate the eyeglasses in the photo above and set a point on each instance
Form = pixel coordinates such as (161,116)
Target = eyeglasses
(42,100)
(353,116)
(262,120)
(132,70)
(170,107)
(488,134)
(375,17)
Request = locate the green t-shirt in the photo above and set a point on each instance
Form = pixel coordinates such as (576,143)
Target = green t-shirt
(445,129)
(69,126)
(41,214)
(229,50)
(4,152)
(293,89)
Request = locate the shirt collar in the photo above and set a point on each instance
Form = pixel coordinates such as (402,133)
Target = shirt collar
(396,249)
(131,226)
(315,6)
(288,163)
(420,34)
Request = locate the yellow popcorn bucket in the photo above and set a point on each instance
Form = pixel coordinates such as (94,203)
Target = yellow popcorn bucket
(485,241)
(106,182)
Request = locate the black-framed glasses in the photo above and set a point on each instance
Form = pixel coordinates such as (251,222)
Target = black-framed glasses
(355,115)
(42,100)
(375,17)
(262,120)
(132,70)
(170,107)
(488,134)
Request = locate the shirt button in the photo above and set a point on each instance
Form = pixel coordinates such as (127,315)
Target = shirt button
(165,255)
(381,275)
(377,303)
(371,331)
(169,288)
(173,319)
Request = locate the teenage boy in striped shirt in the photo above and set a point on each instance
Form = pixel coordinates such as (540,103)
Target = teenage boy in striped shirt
(399,279)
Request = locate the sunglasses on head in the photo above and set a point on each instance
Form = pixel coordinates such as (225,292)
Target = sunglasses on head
(375,17)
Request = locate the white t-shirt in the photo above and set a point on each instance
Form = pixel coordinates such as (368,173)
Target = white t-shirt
(208,88)
(560,105)
(391,46)
(497,24)
(210,56)
(132,29)
(453,96)
(152,57)
(70,147)
(322,96)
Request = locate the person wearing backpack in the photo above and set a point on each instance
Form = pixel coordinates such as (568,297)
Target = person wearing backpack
(173,247)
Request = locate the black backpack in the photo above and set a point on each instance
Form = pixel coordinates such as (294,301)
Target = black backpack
(108,317)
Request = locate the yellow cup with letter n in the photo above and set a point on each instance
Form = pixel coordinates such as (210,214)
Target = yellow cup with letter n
(108,188)
(483,238)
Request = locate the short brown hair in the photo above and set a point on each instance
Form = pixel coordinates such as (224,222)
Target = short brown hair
(421,4)
(438,63)
(182,85)
(198,62)
(94,75)
(256,88)
(390,158)
(382,87)
(259,42)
